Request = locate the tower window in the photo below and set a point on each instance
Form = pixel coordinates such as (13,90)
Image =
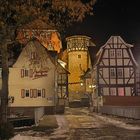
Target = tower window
(79,56)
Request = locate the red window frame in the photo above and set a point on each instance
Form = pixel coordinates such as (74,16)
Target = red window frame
(22,93)
(43,93)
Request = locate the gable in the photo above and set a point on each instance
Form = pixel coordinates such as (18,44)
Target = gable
(116,49)
(34,56)
(116,42)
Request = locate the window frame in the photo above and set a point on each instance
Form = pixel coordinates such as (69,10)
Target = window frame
(112,53)
(112,72)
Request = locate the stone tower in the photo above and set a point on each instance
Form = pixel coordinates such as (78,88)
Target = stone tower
(78,62)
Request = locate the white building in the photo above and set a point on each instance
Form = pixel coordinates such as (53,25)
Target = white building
(33,81)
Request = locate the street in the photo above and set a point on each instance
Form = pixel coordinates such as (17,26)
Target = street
(80,124)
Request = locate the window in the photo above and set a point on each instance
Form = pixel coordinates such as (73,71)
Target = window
(35,93)
(39,93)
(121,91)
(26,73)
(27,93)
(119,53)
(113,91)
(112,73)
(79,56)
(120,73)
(33,55)
(112,53)
(32,93)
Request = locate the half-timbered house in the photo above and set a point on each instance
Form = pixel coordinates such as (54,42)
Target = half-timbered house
(115,77)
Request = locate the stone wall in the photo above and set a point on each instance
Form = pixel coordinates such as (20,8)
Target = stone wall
(123,111)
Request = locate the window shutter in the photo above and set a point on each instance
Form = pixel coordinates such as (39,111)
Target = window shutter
(35,93)
(31,93)
(31,73)
(22,93)
(43,93)
(22,73)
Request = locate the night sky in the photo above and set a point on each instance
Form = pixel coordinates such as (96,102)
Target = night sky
(111,17)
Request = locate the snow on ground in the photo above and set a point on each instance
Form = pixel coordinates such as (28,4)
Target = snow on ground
(76,118)
(19,137)
(61,132)
(117,123)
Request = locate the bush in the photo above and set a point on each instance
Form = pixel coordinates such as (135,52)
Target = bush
(6,131)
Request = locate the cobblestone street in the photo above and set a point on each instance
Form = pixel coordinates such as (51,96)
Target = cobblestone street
(80,124)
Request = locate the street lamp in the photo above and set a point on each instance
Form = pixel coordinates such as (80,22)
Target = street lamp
(81,84)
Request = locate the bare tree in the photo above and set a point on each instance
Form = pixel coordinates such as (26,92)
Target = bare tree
(58,14)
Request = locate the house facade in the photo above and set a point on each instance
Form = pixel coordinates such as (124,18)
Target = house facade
(33,81)
(62,82)
(115,77)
